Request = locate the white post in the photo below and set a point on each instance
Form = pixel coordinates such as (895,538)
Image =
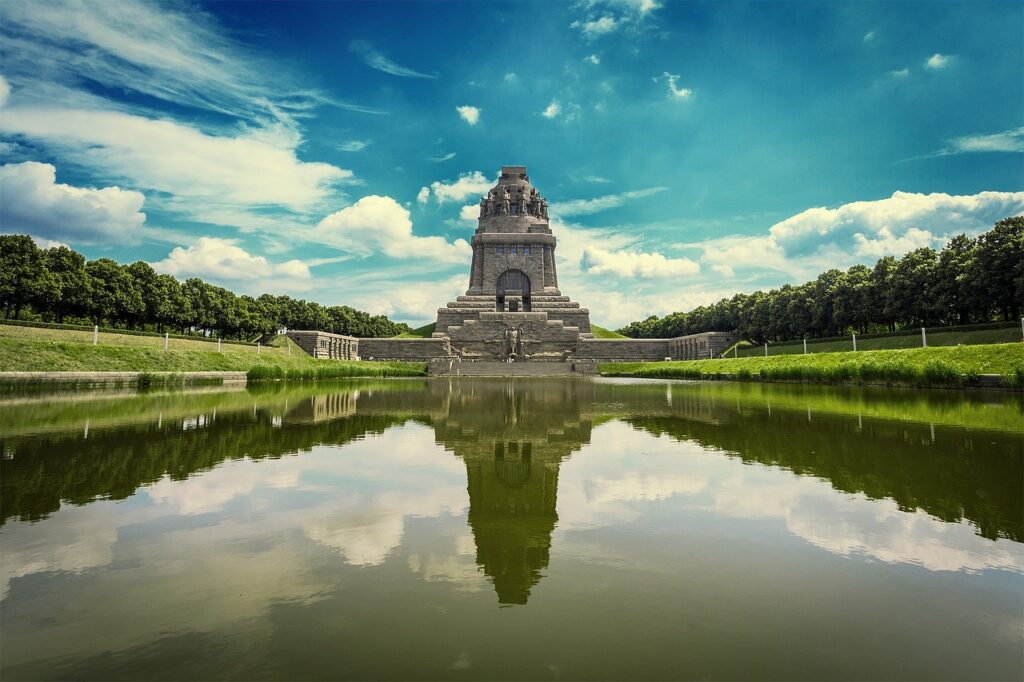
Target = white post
(95,334)
(218,344)
(924,338)
(257,348)
(736,350)
(766,349)
(805,345)
(855,342)
(289,347)
(166,337)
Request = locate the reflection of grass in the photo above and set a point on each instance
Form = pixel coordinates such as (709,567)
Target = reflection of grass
(22,413)
(337,370)
(992,411)
(945,366)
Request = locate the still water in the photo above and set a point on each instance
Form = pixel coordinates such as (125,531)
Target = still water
(503,529)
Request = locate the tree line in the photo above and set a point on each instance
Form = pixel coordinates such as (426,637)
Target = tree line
(58,284)
(969,281)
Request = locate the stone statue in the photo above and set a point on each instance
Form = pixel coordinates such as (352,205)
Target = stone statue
(521,201)
(544,208)
(513,347)
(483,207)
(490,203)
(505,202)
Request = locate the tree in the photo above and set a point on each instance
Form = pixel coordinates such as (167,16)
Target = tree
(913,286)
(114,294)
(883,302)
(1000,262)
(952,292)
(74,288)
(23,278)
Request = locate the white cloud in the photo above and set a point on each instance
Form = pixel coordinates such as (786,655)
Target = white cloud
(511,77)
(254,167)
(885,242)
(376,59)
(470,115)
(353,145)
(224,259)
(443,157)
(5,91)
(900,73)
(32,201)
(1006,141)
(596,27)
(380,224)
(938,61)
(726,254)
(631,264)
(413,300)
(468,184)
(592,59)
(470,213)
(869,36)
(674,91)
(423,196)
(589,206)
(552,110)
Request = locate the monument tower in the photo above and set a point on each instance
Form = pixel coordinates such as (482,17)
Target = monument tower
(513,308)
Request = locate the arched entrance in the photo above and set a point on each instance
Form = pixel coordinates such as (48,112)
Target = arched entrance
(514,280)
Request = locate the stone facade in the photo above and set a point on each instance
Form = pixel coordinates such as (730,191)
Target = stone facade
(326,345)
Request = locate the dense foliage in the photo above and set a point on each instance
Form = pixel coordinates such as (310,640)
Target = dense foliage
(58,284)
(970,280)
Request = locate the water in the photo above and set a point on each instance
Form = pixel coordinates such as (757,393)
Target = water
(505,529)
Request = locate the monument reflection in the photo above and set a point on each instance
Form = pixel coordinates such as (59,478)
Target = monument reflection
(513,440)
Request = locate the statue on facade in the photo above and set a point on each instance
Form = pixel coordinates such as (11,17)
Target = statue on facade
(483,207)
(544,208)
(521,202)
(506,202)
(513,345)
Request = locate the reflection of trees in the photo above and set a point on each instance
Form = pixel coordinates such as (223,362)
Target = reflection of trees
(38,473)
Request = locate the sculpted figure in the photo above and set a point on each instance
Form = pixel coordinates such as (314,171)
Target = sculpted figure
(521,201)
(544,208)
(483,207)
(506,202)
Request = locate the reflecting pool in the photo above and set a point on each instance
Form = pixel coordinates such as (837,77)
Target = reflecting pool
(512,529)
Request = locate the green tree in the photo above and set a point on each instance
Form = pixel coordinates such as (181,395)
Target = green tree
(953,296)
(999,266)
(23,278)
(114,294)
(913,286)
(74,287)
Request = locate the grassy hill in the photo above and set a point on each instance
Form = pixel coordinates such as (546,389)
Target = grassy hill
(423,332)
(937,366)
(32,349)
(602,333)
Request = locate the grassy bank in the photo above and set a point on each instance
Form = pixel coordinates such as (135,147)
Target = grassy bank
(52,353)
(943,366)
(602,333)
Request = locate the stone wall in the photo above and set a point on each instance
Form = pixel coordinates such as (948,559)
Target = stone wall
(624,350)
(326,345)
(413,350)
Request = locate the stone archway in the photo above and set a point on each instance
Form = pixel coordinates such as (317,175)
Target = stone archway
(514,280)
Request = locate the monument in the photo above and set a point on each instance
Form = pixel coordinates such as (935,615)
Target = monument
(513,318)
(513,309)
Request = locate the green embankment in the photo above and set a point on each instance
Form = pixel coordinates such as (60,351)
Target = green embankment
(602,333)
(24,349)
(952,337)
(943,366)
(423,332)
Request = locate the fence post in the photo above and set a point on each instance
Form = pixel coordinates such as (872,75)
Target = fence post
(218,344)
(289,347)
(736,348)
(855,341)
(95,334)
(766,349)
(166,337)
(257,348)
(924,338)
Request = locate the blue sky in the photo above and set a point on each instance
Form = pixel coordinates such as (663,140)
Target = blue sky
(689,150)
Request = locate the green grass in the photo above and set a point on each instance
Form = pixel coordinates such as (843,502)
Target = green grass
(1007,334)
(602,333)
(62,351)
(938,366)
(423,332)
(337,370)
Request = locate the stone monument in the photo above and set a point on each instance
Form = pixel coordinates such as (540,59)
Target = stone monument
(513,310)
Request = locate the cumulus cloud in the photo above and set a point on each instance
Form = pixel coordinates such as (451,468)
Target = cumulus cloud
(819,238)
(938,61)
(423,196)
(376,59)
(254,167)
(596,27)
(588,206)
(470,115)
(631,264)
(470,213)
(592,59)
(900,73)
(414,300)
(467,185)
(511,77)
(224,259)
(379,224)
(601,17)
(32,201)
(552,110)
(674,90)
